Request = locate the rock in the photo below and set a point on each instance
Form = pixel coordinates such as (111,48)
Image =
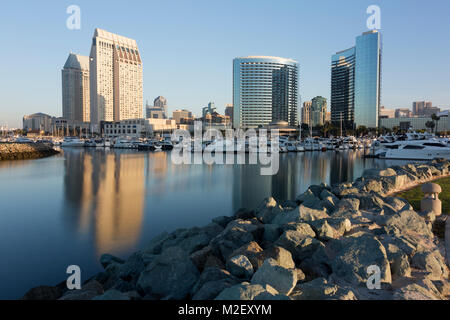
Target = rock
(43,293)
(240,266)
(243,291)
(376,173)
(280,255)
(87,292)
(199,257)
(107,259)
(155,245)
(347,208)
(267,210)
(301,228)
(326,194)
(300,214)
(213,275)
(290,239)
(210,290)
(272,232)
(398,260)
(327,229)
(244,214)
(307,195)
(132,268)
(251,251)
(409,222)
(280,278)
(214,262)
(320,289)
(236,234)
(171,275)
(354,254)
(222,220)
(432,262)
(414,292)
(112,295)
(300,275)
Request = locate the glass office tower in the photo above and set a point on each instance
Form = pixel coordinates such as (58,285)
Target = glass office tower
(264,89)
(356,83)
(368,79)
(342,89)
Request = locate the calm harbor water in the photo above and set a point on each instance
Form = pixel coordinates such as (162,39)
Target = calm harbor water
(71,208)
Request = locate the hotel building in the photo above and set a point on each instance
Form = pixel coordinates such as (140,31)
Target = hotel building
(75,88)
(265,89)
(115,77)
(356,83)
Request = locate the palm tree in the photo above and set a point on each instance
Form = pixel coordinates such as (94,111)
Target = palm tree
(436,119)
(326,128)
(430,125)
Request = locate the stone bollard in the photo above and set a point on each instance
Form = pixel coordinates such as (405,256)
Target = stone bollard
(431,201)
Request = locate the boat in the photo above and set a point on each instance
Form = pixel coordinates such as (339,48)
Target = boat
(72,142)
(124,143)
(166,145)
(414,150)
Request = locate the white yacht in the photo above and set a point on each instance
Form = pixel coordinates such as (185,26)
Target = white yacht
(72,142)
(415,150)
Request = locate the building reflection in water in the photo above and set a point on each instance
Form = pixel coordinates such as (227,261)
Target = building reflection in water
(105,195)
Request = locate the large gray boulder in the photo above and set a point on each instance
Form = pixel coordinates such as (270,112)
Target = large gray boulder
(213,274)
(409,222)
(278,277)
(240,266)
(432,262)
(244,291)
(299,214)
(280,255)
(320,289)
(354,254)
(171,275)
(267,210)
(236,234)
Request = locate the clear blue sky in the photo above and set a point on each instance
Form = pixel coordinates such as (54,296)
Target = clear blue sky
(188,47)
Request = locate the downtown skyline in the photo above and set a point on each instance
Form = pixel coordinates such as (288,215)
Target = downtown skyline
(190,78)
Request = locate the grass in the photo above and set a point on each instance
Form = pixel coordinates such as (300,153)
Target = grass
(415,195)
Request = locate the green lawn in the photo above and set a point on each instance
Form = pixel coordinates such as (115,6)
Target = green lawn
(415,195)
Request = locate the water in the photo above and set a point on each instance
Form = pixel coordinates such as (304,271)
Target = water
(71,208)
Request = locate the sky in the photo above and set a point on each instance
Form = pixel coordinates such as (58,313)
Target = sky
(188,46)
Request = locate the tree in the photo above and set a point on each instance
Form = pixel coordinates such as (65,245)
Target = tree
(361,130)
(436,119)
(430,125)
(326,128)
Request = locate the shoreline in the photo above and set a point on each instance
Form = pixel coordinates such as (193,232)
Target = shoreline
(25,151)
(315,247)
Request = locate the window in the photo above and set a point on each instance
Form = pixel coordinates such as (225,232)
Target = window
(414,147)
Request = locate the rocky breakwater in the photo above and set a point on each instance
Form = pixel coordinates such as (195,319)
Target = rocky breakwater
(322,245)
(21,151)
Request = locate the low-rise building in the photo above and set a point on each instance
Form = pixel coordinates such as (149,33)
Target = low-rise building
(37,122)
(138,128)
(386,113)
(415,123)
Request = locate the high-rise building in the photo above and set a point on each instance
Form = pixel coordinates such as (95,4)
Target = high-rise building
(318,111)
(161,102)
(306,113)
(115,77)
(210,109)
(342,89)
(229,112)
(418,107)
(356,83)
(403,113)
(75,88)
(264,89)
(368,79)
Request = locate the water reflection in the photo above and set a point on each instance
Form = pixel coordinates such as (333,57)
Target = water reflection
(105,192)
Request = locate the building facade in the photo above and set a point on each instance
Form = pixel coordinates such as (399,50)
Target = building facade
(75,88)
(403,113)
(306,113)
(37,122)
(318,111)
(161,102)
(356,83)
(416,123)
(179,115)
(229,111)
(386,113)
(342,89)
(116,83)
(264,88)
